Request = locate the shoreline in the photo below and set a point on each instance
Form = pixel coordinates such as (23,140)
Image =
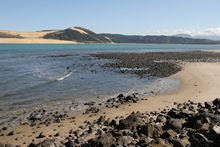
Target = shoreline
(196,87)
(34,41)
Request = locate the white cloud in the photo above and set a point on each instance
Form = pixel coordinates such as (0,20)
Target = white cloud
(193,32)
(212,31)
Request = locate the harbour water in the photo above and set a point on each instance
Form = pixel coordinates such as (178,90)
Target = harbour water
(34,74)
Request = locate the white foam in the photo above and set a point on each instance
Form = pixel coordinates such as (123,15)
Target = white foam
(64,77)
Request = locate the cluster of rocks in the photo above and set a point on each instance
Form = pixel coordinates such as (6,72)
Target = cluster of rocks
(121,99)
(188,124)
(43,116)
(114,102)
(159,64)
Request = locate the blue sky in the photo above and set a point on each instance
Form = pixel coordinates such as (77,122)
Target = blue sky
(113,16)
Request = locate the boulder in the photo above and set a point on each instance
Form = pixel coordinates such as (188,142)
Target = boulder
(151,130)
(103,140)
(174,113)
(132,121)
(216,102)
(176,124)
(208,104)
(161,118)
(120,96)
(69,143)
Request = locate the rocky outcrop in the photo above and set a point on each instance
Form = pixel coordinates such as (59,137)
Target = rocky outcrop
(159,64)
(187,124)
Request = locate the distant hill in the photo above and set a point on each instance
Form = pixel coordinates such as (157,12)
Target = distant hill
(209,37)
(183,35)
(212,37)
(83,35)
(157,39)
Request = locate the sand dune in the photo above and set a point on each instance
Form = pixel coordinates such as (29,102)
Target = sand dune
(30,37)
(27,34)
(34,40)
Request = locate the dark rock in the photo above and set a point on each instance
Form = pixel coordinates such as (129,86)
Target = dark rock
(208,104)
(89,103)
(57,134)
(198,139)
(11,133)
(101,119)
(92,110)
(120,96)
(216,102)
(70,143)
(168,134)
(41,135)
(174,114)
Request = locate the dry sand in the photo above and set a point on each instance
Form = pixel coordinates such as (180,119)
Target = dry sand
(32,37)
(199,82)
(26,34)
(35,40)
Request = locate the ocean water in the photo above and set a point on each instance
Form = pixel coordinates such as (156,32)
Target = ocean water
(34,74)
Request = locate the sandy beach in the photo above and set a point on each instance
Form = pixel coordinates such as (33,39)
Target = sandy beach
(199,83)
(34,40)
(31,37)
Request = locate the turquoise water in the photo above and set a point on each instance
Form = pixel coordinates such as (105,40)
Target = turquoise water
(51,48)
(32,74)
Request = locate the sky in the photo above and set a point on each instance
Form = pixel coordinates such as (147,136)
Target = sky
(113,16)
